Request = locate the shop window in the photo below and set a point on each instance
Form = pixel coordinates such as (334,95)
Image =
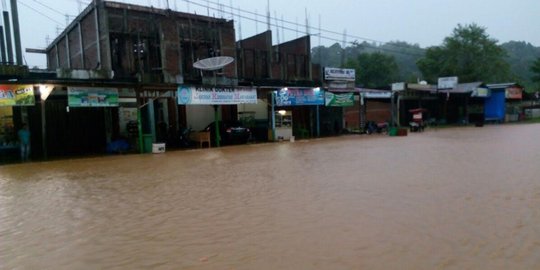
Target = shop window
(263,65)
(7,129)
(146,52)
(291,67)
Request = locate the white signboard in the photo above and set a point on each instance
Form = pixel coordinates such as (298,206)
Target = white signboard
(377,94)
(480,92)
(216,96)
(339,74)
(447,83)
(398,86)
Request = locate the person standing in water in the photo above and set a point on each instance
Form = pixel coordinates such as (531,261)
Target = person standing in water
(24,141)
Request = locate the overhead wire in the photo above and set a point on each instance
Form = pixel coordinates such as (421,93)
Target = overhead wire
(294,30)
(296,24)
(39,12)
(52,9)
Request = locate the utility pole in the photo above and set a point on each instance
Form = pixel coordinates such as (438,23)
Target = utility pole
(9,46)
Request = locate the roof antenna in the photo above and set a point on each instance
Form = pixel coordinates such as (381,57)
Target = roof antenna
(277,27)
(282,29)
(296,23)
(239,24)
(343,49)
(319,52)
(79,3)
(232,10)
(268,14)
(307,23)
(256,22)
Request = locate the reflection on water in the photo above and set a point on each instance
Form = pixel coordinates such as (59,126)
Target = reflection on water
(464,198)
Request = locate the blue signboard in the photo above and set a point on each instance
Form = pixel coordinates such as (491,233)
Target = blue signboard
(216,95)
(494,106)
(299,97)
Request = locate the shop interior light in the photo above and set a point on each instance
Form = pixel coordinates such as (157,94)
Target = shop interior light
(282,112)
(45,91)
(317,89)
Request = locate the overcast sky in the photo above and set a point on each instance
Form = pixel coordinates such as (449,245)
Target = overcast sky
(425,22)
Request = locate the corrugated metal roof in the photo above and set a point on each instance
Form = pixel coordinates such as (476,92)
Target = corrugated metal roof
(463,88)
(501,85)
(422,87)
(359,89)
(460,88)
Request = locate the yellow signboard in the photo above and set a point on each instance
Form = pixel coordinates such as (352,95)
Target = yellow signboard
(17,95)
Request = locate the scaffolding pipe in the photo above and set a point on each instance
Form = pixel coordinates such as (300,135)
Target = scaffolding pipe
(2,45)
(16,32)
(9,47)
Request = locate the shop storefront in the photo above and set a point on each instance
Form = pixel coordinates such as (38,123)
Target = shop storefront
(298,112)
(207,106)
(14,100)
(333,117)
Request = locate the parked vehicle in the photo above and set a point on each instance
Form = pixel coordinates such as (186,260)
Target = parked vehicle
(231,132)
(183,138)
(372,127)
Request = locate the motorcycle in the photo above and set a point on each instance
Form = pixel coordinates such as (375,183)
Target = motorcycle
(372,127)
(184,139)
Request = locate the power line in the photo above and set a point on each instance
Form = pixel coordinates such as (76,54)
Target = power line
(39,12)
(319,34)
(52,9)
(311,28)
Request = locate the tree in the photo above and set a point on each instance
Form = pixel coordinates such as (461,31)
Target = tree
(468,53)
(521,56)
(406,56)
(535,69)
(327,57)
(374,69)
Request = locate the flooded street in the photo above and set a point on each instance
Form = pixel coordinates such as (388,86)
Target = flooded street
(459,198)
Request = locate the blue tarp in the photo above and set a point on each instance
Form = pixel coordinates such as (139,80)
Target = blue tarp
(494,106)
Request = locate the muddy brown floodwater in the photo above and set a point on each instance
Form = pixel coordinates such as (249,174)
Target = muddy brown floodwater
(459,198)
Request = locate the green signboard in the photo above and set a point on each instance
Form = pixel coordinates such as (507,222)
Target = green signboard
(338,99)
(17,95)
(92,97)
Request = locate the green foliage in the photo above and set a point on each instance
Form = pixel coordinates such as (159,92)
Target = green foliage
(374,70)
(521,56)
(327,57)
(468,53)
(13,70)
(535,69)
(404,54)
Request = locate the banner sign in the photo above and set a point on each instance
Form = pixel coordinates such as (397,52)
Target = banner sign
(377,94)
(338,100)
(480,92)
(17,95)
(514,93)
(298,97)
(447,83)
(339,74)
(191,95)
(398,86)
(92,97)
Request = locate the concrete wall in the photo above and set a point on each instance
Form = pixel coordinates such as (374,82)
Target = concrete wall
(260,109)
(199,116)
(129,23)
